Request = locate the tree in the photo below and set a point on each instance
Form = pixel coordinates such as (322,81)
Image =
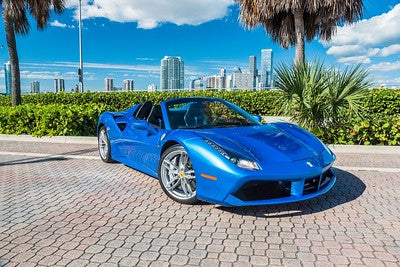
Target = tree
(289,22)
(16,22)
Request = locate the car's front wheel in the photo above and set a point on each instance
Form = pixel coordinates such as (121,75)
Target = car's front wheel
(176,175)
(104,145)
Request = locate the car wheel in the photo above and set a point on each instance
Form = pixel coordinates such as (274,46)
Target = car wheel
(176,175)
(104,145)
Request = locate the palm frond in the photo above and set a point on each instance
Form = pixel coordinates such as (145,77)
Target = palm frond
(320,98)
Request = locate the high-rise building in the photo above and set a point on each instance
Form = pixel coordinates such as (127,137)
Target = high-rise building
(243,80)
(129,85)
(35,87)
(7,76)
(228,82)
(172,73)
(266,68)
(108,84)
(253,69)
(152,87)
(222,72)
(197,84)
(217,81)
(59,85)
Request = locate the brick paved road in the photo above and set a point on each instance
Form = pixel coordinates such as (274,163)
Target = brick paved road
(82,212)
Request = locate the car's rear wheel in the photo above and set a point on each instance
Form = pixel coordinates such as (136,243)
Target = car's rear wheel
(176,175)
(104,145)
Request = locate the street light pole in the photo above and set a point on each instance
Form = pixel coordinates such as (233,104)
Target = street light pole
(80,70)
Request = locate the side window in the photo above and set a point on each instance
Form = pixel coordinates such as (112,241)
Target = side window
(155,117)
(144,111)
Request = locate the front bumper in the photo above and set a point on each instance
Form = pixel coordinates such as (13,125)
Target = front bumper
(282,191)
(278,182)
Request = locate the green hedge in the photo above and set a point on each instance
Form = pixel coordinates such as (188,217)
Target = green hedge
(377,130)
(255,102)
(54,119)
(76,114)
(384,101)
(74,120)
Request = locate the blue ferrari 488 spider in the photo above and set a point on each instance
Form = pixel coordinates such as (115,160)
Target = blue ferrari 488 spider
(209,149)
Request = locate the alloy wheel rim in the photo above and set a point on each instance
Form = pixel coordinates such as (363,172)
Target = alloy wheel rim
(103,144)
(177,175)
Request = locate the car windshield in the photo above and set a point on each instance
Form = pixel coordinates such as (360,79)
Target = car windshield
(206,113)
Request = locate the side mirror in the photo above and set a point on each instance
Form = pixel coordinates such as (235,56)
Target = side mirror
(257,118)
(141,125)
(144,126)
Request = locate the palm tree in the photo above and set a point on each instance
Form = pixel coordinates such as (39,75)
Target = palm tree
(16,22)
(289,22)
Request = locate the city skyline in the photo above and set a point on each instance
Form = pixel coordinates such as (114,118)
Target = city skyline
(137,55)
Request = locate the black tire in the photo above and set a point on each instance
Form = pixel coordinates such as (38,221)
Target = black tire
(189,182)
(105,155)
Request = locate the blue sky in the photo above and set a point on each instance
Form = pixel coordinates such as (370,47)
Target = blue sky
(126,39)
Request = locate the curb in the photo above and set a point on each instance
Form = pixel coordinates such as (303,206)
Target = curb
(89,140)
(54,139)
(362,149)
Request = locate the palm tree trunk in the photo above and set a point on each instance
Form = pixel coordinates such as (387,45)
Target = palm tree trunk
(299,31)
(13,54)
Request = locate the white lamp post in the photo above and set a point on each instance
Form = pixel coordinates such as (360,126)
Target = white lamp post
(80,70)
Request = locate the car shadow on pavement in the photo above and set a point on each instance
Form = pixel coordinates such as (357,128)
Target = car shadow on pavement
(348,187)
(56,157)
(31,160)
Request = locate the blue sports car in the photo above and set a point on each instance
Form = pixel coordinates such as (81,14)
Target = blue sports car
(209,149)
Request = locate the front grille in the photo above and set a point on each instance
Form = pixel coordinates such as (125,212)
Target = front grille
(313,184)
(263,190)
(326,177)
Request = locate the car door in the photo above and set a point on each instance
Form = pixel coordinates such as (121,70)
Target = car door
(142,141)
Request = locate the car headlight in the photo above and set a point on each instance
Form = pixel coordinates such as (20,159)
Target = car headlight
(240,162)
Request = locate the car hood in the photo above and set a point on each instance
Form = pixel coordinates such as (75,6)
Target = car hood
(274,142)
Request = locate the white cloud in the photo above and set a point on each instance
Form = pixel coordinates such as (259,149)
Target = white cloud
(97,66)
(378,30)
(56,23)
(390,50)
(377,36)
(355,60)
(145,58)
(150,13)
(49,75)
(345,50)
(386,66)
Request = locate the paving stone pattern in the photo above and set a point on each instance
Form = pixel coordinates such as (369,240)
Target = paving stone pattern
(70,212)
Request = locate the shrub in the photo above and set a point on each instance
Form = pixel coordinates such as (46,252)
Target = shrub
(54,119)
(384,101)
(320,98)
(377,130)
(255,102)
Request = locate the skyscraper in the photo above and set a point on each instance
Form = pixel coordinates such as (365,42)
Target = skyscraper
(253,69)
(266,68)
(172,73)
(222,72)
(108,84)
(152,87)
(7,76)
(129,85)
(35,87)
(197,83)
(59,85)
